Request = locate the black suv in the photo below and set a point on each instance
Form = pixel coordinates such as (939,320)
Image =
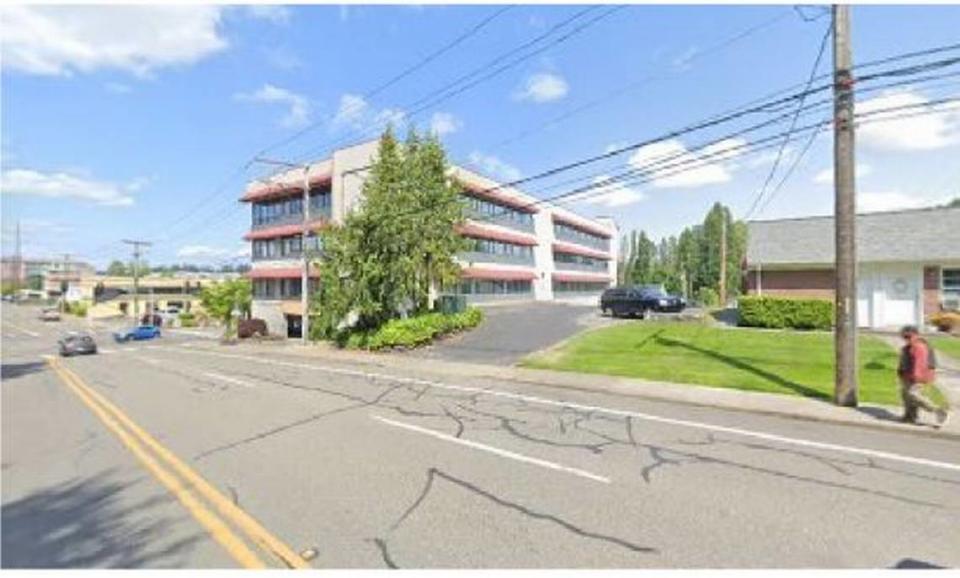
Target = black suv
(639,301)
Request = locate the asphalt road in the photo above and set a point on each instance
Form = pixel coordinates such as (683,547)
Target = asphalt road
(377,468)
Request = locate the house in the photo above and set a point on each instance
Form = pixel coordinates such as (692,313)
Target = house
(908,262)
(38,273)
(522,248)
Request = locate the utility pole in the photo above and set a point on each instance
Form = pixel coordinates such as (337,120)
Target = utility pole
(845,332)
(136,275)
(723,259)
(305,272)
(64,283)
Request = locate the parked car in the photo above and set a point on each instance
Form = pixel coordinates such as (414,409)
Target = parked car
(77,342)
(250,327)
(639,301)
(50,314)
(138,333)
(168,315)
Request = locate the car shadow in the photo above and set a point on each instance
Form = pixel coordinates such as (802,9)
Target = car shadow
(88,523)
(914,564)
(734,362)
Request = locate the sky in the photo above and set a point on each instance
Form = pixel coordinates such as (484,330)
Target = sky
(123,122)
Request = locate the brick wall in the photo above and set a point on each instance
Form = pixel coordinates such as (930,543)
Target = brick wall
(931,290)
(810,283)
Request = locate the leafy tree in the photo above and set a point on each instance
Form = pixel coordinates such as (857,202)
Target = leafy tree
(397,244)
(117,269)
(954,203)
(220,299)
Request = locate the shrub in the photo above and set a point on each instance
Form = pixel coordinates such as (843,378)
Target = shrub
(947,321)
(79,309)
(782,313)
(412,331)
(250,327)
(187,319)
(708,297)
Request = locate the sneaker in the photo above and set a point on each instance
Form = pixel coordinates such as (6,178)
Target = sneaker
(941,417)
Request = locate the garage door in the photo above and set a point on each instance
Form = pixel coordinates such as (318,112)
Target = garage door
(900,290)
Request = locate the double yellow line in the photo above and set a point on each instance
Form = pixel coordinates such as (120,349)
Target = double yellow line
(184,483)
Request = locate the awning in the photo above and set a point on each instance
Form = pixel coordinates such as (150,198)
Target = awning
(279,273)
(582,277)
(283,230)
(582,225)
(498,274)
(469,229)
(278,190)
(572,249)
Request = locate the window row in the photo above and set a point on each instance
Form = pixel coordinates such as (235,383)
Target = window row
(493,287)
(485,208)
(566,232)
(280,288)
(950,280)
(492,247)
(284,247)
(579,260)
(579,286)
(291,208)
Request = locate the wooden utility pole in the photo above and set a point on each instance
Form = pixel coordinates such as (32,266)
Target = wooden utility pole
(723,259)
(136,276)
(845,331)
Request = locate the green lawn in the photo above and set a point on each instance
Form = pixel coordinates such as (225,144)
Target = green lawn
(946,344)
(792,363)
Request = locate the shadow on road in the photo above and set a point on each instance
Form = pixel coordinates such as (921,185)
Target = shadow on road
(88,524)
(15,370)
(914,564)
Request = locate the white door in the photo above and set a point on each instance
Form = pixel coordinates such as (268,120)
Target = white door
(900,286)
(865,287)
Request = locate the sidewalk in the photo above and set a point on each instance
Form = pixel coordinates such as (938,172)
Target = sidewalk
(867,415)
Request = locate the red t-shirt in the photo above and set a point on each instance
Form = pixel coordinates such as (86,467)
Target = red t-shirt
(920,370)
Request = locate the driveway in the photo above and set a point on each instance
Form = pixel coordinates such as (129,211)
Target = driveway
(511,332)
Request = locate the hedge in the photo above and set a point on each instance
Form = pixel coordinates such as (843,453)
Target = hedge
(412,331)
(782,313)
(187,319)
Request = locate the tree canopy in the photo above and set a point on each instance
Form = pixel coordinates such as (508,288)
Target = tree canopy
(220,299)
(397,244)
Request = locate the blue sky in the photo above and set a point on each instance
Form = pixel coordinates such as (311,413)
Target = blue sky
(134,122)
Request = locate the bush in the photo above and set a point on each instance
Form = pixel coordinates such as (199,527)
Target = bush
(250,327)
(947,321)
(79,309)
(782,313)
(708,297)
(412,331)
(187,319)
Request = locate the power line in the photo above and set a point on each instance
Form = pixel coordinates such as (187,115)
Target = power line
(793,122)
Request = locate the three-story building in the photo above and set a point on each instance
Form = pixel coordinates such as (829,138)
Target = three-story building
(521,248)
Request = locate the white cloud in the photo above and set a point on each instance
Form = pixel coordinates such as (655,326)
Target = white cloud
(889,201)
(60,185)
(494,166)
(682,60)
(270,12)
(297,115)
(203,252)
(543,87)
(670,165)
(927,132)
(62,40)
(444,123)
(355,112)
(825,177)
(608,194)
(282,57)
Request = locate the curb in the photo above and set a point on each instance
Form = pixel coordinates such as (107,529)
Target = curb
(625,387)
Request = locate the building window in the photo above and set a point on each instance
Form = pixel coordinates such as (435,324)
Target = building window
(579,286)
(580,260)
(492,247)
(493,287)
(291,209)
(490,210)
(950,281)
(566,232)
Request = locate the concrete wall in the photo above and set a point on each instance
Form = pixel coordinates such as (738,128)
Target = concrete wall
(270,312)
(814,283)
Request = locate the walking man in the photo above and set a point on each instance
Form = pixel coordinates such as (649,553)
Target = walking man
(916,369)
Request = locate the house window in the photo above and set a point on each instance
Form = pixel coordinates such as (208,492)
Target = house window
(950,281)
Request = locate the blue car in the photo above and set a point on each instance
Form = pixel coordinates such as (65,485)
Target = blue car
(138,333)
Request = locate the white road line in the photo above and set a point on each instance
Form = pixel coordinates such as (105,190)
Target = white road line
(493,450)
(609,411)
(228,379)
